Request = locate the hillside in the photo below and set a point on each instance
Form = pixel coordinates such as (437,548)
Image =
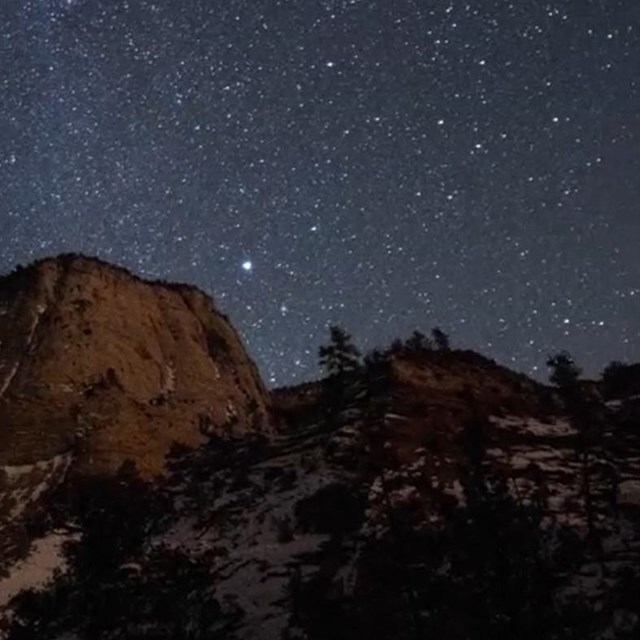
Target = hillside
(429,493)
(295,532)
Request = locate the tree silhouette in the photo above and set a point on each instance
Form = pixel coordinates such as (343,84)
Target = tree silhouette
(621,380)
(341,360)
(418,342)
(483,571)
(340,356)
(165,595)
(565,373)
(117,586)
(441,339)
(585,414)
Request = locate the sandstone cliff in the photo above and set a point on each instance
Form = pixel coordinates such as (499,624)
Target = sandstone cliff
(104,366)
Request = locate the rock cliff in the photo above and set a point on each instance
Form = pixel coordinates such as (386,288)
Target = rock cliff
(104,366)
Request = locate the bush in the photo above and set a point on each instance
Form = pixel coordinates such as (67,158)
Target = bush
(334,509)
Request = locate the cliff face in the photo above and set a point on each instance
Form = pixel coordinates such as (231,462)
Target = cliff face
(102,365)
(438,393)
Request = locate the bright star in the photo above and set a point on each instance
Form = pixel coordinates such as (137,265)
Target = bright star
(247,265)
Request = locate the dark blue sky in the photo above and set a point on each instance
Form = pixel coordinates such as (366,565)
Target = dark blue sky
(388,165)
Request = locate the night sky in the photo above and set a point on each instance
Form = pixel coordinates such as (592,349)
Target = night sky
(389,165)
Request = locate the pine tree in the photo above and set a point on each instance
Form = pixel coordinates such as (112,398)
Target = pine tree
(418,342)
(340,356)
(341,360)
(621,381)
(565,373)
(396,347)
(116,585)
(441,339)
(584,413)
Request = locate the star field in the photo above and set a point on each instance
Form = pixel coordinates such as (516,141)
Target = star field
(387,165)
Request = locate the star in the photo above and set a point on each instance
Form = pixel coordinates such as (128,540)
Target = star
(370,164)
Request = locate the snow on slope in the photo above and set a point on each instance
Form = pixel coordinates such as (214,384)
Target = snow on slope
(24,484)
(251,527)
(34,571)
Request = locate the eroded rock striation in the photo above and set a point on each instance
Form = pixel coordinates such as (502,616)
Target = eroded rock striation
(103,366)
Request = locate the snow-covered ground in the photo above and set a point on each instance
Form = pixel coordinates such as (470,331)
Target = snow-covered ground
(34,571)
(24,484)
(253,528)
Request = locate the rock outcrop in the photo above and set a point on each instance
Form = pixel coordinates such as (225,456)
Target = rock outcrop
(104,366)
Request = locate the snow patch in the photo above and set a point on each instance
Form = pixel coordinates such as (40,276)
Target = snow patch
(9,378)
(37,568)
(169,383)
(629,493)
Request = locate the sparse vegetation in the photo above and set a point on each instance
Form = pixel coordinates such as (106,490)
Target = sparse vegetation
(116,586)
(621,381)
(441,339)
(340,357)
(341,361)
(586,413)
(418,343)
